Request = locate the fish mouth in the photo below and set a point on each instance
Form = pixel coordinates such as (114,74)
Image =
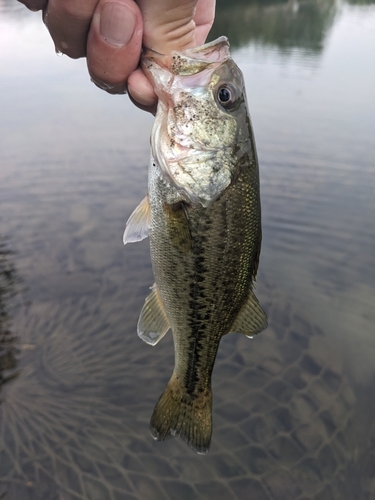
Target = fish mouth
(188,62)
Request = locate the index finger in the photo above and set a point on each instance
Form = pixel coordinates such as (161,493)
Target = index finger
(68,22)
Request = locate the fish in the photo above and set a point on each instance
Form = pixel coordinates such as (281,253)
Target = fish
(202,214)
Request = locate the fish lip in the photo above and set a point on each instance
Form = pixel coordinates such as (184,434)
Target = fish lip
(189,61)
(209,51)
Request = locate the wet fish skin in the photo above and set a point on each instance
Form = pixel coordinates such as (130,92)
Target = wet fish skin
(205,230)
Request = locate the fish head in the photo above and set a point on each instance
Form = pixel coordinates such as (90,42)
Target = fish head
(202,124)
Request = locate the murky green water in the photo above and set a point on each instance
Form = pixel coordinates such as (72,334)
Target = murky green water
(293,408)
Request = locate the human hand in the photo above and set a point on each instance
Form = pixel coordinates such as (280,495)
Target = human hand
(110,34)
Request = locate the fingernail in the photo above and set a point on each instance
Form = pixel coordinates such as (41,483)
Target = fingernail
(117,24)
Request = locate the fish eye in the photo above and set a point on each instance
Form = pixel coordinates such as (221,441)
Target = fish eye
(227,96)
(224,95)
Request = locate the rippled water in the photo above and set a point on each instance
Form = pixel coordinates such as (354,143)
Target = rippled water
(293,408)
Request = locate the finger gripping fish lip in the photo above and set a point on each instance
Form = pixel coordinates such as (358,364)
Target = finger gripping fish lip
(189,62)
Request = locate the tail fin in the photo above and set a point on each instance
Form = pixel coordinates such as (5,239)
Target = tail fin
(179,414)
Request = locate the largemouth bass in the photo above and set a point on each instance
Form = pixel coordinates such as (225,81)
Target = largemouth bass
(202,214)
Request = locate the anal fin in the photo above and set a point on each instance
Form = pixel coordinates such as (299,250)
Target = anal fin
(138,225)
(251,318)
(153,323)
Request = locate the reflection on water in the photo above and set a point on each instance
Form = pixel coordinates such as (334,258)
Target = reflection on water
(293,408)
(283,24)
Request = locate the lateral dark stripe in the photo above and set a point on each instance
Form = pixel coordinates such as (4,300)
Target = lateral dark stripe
(199,315)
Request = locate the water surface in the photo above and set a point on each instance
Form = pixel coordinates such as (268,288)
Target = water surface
(293,408)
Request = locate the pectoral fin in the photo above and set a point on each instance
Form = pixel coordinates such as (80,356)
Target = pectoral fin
(153,323)
(138,225)
(251,318)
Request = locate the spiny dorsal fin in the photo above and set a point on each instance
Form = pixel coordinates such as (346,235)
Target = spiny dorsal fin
(138,225)
(251,319)
(153,323)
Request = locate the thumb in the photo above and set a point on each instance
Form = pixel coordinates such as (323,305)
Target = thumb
(168,24)
(114,43)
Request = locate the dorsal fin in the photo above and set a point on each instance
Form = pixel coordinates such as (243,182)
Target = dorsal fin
(153,323)
(251,318)
(138,225)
